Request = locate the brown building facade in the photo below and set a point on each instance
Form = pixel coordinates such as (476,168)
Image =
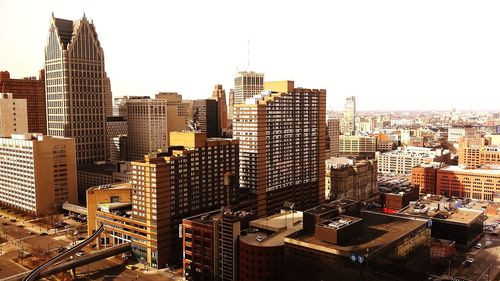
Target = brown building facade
(282,154)
(33,90)
(346,178)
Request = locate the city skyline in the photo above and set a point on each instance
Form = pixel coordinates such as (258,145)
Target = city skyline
(383,53)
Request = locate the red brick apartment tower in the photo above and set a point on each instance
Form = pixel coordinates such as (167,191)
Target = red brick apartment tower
(33,90)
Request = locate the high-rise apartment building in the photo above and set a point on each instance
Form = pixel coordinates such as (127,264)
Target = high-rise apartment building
(348,123)
(282,147)
(75,87)
(246,85)
(188,177)
(13,115)
(149,122)
(220,96)
(334,133)
(37,172)
(361,147)
(206,113)
(33,91)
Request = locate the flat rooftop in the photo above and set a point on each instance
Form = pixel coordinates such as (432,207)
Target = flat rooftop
(273,229)
(447,210)
(378,231)
(484,170)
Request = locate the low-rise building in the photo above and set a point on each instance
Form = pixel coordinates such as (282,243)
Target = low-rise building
(366,246)
(424,176)
(402,161)
(449,220)
(361,147)
(455,133)
(348,178)
(396,194)
(458,181)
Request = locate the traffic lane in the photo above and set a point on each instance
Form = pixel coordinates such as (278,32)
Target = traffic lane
(483,259)
(114,269)
(8,267)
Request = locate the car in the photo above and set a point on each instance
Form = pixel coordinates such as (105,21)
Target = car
(21,226)
(43,234)
(80,253)
(468,261)
(13,220)
(62,249)
(81,238)
(478,246)
(259,238)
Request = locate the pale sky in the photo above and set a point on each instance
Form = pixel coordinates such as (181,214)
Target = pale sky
(406,55)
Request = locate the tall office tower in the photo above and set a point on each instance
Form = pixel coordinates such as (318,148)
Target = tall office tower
(348,123)
(37,173)
(282,152)
(75,87)
(120,106)
(231,106)
(33,91)
(206,113)
(150,120)
(246,85)
(183,177)
(334,133)
(220,96)
(108,96)
(13,115)
(115,126)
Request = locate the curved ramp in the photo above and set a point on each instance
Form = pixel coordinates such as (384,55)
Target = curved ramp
(33,275)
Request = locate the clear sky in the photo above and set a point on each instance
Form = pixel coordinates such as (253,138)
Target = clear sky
(389,54)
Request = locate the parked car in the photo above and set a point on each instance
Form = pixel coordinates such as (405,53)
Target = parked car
(43,234)
(468,261)
(478,246)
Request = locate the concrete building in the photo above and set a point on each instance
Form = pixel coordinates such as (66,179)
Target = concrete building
(474,152)
(149,122)
(348,122)
(262,249)
(361,147)
(108,97)
(220,96)
(75,87)
(449,220)
(210,244)
(334,133)
(402,161)
(339,244)
(455,133)
(181,177)
(115,126)
(282,153)
(33,91)
(37,173)
(424,176)
(206,113)
(458,181)
(13,115)
(246,85)
(347,178)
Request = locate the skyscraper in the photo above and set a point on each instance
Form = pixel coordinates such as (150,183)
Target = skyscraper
(334,133)
(13,116)
(76,87)
(348,124)
(220,96)
(150,120)
(206,112)
(33,90)
(246,85)
(282,147)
